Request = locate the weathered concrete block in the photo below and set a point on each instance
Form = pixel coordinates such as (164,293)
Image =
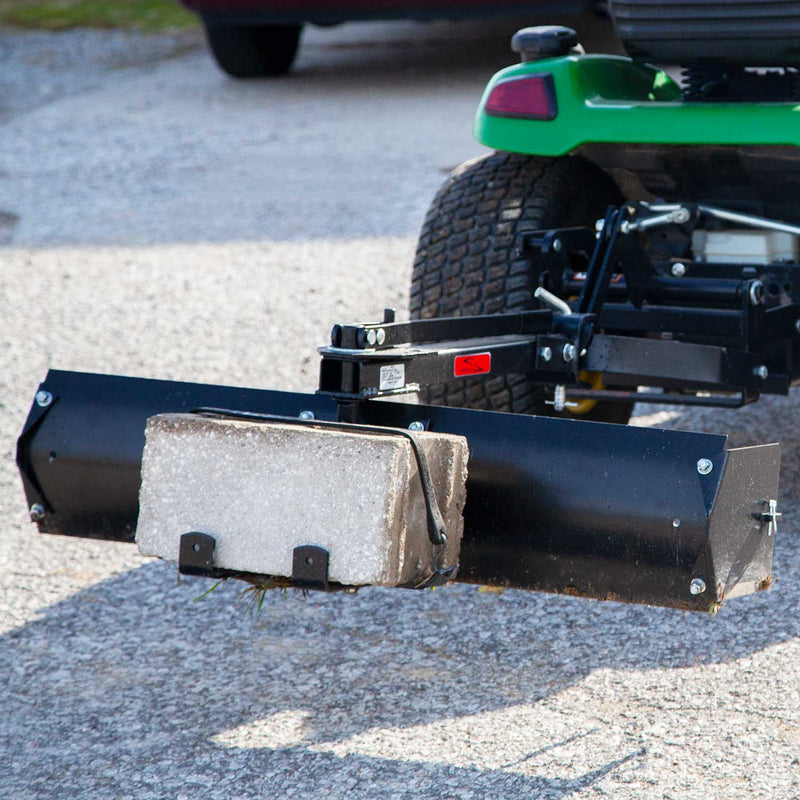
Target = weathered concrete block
(262,488)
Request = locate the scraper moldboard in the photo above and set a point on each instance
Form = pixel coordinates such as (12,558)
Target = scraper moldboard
(582,508)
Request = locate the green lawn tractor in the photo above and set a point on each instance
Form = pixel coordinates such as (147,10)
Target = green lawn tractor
(634,238)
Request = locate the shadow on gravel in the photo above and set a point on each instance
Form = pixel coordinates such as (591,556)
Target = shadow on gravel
(130,682)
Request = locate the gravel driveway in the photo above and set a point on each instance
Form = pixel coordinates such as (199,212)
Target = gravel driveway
(160,220)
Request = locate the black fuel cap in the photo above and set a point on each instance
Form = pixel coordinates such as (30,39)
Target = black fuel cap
(543,41)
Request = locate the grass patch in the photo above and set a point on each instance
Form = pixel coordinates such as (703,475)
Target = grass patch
(59,15)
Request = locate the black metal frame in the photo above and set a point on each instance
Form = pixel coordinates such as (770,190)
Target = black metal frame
(716,334)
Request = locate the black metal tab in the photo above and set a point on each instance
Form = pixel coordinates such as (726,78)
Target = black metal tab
(196,554)
(310,567)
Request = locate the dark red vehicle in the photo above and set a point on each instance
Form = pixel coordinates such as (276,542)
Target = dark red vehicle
(259,38)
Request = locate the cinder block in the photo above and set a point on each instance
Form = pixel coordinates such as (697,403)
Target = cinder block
(263,488)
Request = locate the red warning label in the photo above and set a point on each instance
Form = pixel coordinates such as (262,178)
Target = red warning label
(476,364)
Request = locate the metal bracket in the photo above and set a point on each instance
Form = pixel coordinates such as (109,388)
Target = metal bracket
(196,555)
(310,567)
(39,410)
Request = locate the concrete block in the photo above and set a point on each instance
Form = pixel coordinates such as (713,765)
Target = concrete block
(263,488)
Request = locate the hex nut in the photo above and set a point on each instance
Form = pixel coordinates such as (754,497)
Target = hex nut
(697,586)
(43,398)
(678,270)
(704,466)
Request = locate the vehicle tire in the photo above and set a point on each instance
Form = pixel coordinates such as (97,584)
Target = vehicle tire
(466,264)
(252,51)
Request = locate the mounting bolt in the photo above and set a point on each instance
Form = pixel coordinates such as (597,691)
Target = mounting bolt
(546,354)
(306,415)
(678,270)
(36,512)
(416,425)
(697,586)
(557,245)
(43,398)
(704,466)
(569,352)
(380,336)
(599,225)
(761,372)
(676,523)
(797,325)
(372,337)
(559,398)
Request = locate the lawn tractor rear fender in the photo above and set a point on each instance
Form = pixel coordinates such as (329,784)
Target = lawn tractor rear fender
(554,106)
(606,511)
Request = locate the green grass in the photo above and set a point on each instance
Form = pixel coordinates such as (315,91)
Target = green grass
(56,15)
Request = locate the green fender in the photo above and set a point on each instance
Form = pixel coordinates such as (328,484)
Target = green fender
(612,99)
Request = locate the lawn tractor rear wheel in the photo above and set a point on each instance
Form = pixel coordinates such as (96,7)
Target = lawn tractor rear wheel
(252,51)
(466,262)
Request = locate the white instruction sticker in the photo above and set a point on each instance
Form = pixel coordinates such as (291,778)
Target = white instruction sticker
(393,376)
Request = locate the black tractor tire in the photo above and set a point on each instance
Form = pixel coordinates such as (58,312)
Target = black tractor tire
(252,51)
(466,263)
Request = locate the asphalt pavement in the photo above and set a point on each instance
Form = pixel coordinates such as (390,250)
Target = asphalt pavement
(158,219)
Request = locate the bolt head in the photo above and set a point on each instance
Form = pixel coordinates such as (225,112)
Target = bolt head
(546,354)
(704,466)
(380,336)
(557,245)
(43,398)
(306,415)
(569,352)
(372,337)
(416,426)
(761,372)
(797,325)
(697,586)
(36,512)
(676,523)
(678,270)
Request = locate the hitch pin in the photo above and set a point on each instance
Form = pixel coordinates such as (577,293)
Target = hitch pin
(559,401)
(771,516)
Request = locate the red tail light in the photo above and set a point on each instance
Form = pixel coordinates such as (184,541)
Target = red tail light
(531,97)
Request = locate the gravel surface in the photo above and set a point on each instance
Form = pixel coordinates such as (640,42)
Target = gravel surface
(161,220)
